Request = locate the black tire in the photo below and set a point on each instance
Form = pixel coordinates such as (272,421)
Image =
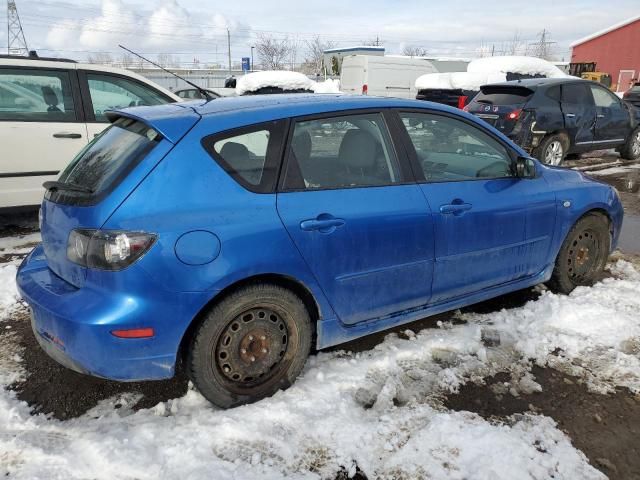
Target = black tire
(631,149)
(583,254)
(250,345)
(546,151)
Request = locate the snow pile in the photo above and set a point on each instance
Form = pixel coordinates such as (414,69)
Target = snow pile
(458,80)
(283,79)
(377,409)
(328,86)
(515,64)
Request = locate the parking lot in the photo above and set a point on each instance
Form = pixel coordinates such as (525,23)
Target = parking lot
(538,384)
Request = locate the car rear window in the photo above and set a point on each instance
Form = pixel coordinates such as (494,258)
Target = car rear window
(104,162)
(493,95)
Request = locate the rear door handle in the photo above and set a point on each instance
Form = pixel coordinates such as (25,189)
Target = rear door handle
(600,115)
(570,115)
(66,135)
(323,223)
(455,208)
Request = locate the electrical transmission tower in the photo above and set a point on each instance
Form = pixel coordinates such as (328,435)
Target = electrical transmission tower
(16,43)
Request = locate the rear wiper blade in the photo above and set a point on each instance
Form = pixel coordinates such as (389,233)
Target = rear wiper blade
(72,187)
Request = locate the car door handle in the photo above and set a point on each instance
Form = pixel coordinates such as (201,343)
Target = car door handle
(455,208)
(66,135)
(600,115)
(570,115)
(323,223)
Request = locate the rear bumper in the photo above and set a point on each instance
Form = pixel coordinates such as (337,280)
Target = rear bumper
(74,326)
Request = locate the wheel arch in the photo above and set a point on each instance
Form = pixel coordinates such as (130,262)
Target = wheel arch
(290,283)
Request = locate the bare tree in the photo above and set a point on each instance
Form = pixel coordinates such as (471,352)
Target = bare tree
(373,42)
(126,60)
(272,52)
(516,45)
(412,51)
(314,59)
(103,58)
(167,60)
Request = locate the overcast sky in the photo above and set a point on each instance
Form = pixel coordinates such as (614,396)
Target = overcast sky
(197,29)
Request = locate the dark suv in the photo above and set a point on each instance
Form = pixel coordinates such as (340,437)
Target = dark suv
(633,95)
(553,117)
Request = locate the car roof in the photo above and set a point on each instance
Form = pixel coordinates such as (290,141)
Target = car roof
(535,83)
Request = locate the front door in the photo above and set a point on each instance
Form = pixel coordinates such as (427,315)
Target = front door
(579,113)
(491,227)
(366,235)
(613,122)
(41,130)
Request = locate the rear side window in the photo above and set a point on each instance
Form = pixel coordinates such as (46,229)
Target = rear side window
(250,155)
(575,93)
(503,95)
(102,164)
(554,93)
(36,96)
(341,152)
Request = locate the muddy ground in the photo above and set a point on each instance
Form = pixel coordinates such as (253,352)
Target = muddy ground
(605,427)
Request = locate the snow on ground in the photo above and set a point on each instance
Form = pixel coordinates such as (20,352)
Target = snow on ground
(614,170)
(283,79)
(516,64)
(377,409)
(458,80)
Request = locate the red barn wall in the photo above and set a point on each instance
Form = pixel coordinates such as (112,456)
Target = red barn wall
(614,51)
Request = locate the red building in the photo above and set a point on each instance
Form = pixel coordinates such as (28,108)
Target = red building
(616,51)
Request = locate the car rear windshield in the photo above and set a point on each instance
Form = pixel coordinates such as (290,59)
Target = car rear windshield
(503,95)
(104,162)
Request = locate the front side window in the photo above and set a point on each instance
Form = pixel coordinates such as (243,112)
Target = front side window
(109,92)
(341,152)
(36,96)
(604,98)
(450,150)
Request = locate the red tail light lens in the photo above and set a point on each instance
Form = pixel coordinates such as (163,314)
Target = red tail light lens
(365,89)
(107,249)
(515,114)
(462,101)
(466,108)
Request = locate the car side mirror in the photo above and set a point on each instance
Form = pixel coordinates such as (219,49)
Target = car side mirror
(525,167)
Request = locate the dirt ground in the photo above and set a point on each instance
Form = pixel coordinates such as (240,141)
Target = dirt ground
(605,428)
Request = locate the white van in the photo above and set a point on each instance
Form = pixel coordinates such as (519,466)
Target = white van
(387,76)
(49,110)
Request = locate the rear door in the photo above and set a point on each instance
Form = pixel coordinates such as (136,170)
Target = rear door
(41,130)
(613,123)
(491,227)
(349,204)
(579,113)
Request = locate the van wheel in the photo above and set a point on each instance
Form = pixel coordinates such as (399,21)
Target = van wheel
(250,345)
(552,150)
(583,254)
(631,149)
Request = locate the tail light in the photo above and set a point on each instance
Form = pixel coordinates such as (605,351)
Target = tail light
(515,114)
(365,89)
(466,108)
(107,249)
(462,101)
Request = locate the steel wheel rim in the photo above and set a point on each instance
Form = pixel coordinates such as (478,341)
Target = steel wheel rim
(635,146)
(251,348)
(553,153)
(583,256)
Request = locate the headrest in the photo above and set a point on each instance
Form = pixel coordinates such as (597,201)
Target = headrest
(49,96)
(358,149)
(301,145)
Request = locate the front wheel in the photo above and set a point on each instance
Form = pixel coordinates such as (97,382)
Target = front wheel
(583,254)
(552,149)
(250,345)
(631,149)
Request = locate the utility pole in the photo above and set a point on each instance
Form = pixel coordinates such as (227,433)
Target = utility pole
(16,43)
(229,48)
(252,47)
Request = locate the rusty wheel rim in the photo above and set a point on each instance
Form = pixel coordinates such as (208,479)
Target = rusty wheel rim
(251,347)
(584,256)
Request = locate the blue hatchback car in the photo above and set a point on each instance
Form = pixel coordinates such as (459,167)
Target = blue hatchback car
(231,237)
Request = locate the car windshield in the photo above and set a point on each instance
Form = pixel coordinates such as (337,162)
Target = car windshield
(107,159)
(503,95)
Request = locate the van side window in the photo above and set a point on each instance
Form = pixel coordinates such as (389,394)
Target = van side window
(250,155)
(450,150)
(36,96)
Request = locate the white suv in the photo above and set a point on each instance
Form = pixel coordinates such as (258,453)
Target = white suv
(49,110)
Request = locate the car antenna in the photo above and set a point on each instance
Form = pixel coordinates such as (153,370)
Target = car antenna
(204,92)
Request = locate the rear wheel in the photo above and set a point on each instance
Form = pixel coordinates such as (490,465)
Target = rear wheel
(583,254)
(250,345)
(631,149)
(552,150)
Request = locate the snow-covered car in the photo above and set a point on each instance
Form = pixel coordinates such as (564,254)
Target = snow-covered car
(457,89)
(194,93)
(50,109)
(282,81)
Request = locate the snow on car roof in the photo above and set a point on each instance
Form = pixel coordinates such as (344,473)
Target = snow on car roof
(283,79)
(458,80)
(516,64)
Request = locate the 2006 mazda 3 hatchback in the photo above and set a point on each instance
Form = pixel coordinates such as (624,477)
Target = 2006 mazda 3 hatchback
(230,237)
